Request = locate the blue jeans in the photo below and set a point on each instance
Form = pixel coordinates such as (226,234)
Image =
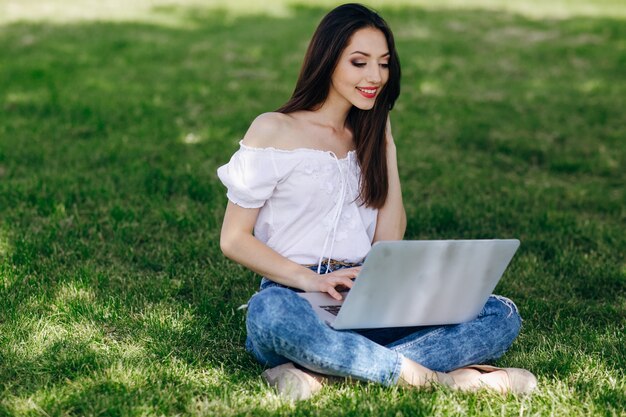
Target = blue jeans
(282,327)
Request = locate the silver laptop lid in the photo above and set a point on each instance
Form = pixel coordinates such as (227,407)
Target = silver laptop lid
(421,283)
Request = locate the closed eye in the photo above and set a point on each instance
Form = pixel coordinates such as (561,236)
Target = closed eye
(361,64)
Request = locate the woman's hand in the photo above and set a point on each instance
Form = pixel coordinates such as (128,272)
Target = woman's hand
(238,243)
(331,282)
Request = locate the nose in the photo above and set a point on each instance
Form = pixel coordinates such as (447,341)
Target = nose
(374,75)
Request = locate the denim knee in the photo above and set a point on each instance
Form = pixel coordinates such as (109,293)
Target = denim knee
(269,310)
(506,318)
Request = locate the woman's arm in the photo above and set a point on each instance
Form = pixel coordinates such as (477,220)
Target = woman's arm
(239,244)
(391,221)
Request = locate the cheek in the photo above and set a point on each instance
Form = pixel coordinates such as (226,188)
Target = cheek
(342,76)
(385,77)
(349,74)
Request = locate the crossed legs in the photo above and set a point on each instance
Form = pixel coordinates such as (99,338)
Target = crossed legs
(282,328)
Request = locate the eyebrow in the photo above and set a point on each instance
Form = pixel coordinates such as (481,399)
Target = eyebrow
(368,55)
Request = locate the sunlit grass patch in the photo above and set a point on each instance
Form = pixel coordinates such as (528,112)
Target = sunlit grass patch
(114,296)
(5,246)
(180,13)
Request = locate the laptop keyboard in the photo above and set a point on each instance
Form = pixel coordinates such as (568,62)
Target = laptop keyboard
(334,310)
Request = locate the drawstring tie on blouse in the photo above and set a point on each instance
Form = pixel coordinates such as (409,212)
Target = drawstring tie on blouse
(336,217)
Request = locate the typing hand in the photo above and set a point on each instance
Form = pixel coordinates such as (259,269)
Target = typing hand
(340,280)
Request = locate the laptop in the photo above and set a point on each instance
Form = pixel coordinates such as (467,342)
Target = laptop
(418,283)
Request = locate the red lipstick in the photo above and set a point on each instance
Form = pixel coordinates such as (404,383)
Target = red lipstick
(368,92)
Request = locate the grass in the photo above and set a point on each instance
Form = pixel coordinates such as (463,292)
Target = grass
(114,296)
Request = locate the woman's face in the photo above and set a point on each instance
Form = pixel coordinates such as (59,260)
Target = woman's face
(362,69)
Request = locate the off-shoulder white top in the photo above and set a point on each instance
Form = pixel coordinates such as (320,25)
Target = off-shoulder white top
(309,200)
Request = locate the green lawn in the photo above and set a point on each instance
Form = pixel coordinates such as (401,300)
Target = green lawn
(114,296)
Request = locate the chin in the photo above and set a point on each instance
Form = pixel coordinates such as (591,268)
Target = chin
(361,106)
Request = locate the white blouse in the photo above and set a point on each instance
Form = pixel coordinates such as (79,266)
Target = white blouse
(309,200)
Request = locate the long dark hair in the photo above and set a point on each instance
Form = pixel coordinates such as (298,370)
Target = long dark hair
(368,126)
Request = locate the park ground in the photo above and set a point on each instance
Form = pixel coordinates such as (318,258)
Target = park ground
(115,299)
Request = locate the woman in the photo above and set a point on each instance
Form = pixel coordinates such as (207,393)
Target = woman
(312,186)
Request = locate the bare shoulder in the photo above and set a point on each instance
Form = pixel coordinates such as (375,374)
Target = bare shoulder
(270,129)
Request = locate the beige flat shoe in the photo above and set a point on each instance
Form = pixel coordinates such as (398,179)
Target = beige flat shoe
(293,383)
(521,381)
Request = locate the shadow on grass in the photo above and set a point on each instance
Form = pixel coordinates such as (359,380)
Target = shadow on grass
(112,132)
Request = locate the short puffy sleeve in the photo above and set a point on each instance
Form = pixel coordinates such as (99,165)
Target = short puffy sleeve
(250,177)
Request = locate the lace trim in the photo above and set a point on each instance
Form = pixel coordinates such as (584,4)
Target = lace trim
(312,150)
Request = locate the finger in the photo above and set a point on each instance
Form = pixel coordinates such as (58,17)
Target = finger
(347,282)
(343,284)
(351,272)
(333,293)
(340,279)
(356,270)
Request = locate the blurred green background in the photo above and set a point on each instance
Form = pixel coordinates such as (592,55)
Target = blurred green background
(114,116)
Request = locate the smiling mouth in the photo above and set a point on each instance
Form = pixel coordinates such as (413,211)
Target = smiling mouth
(368,92)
